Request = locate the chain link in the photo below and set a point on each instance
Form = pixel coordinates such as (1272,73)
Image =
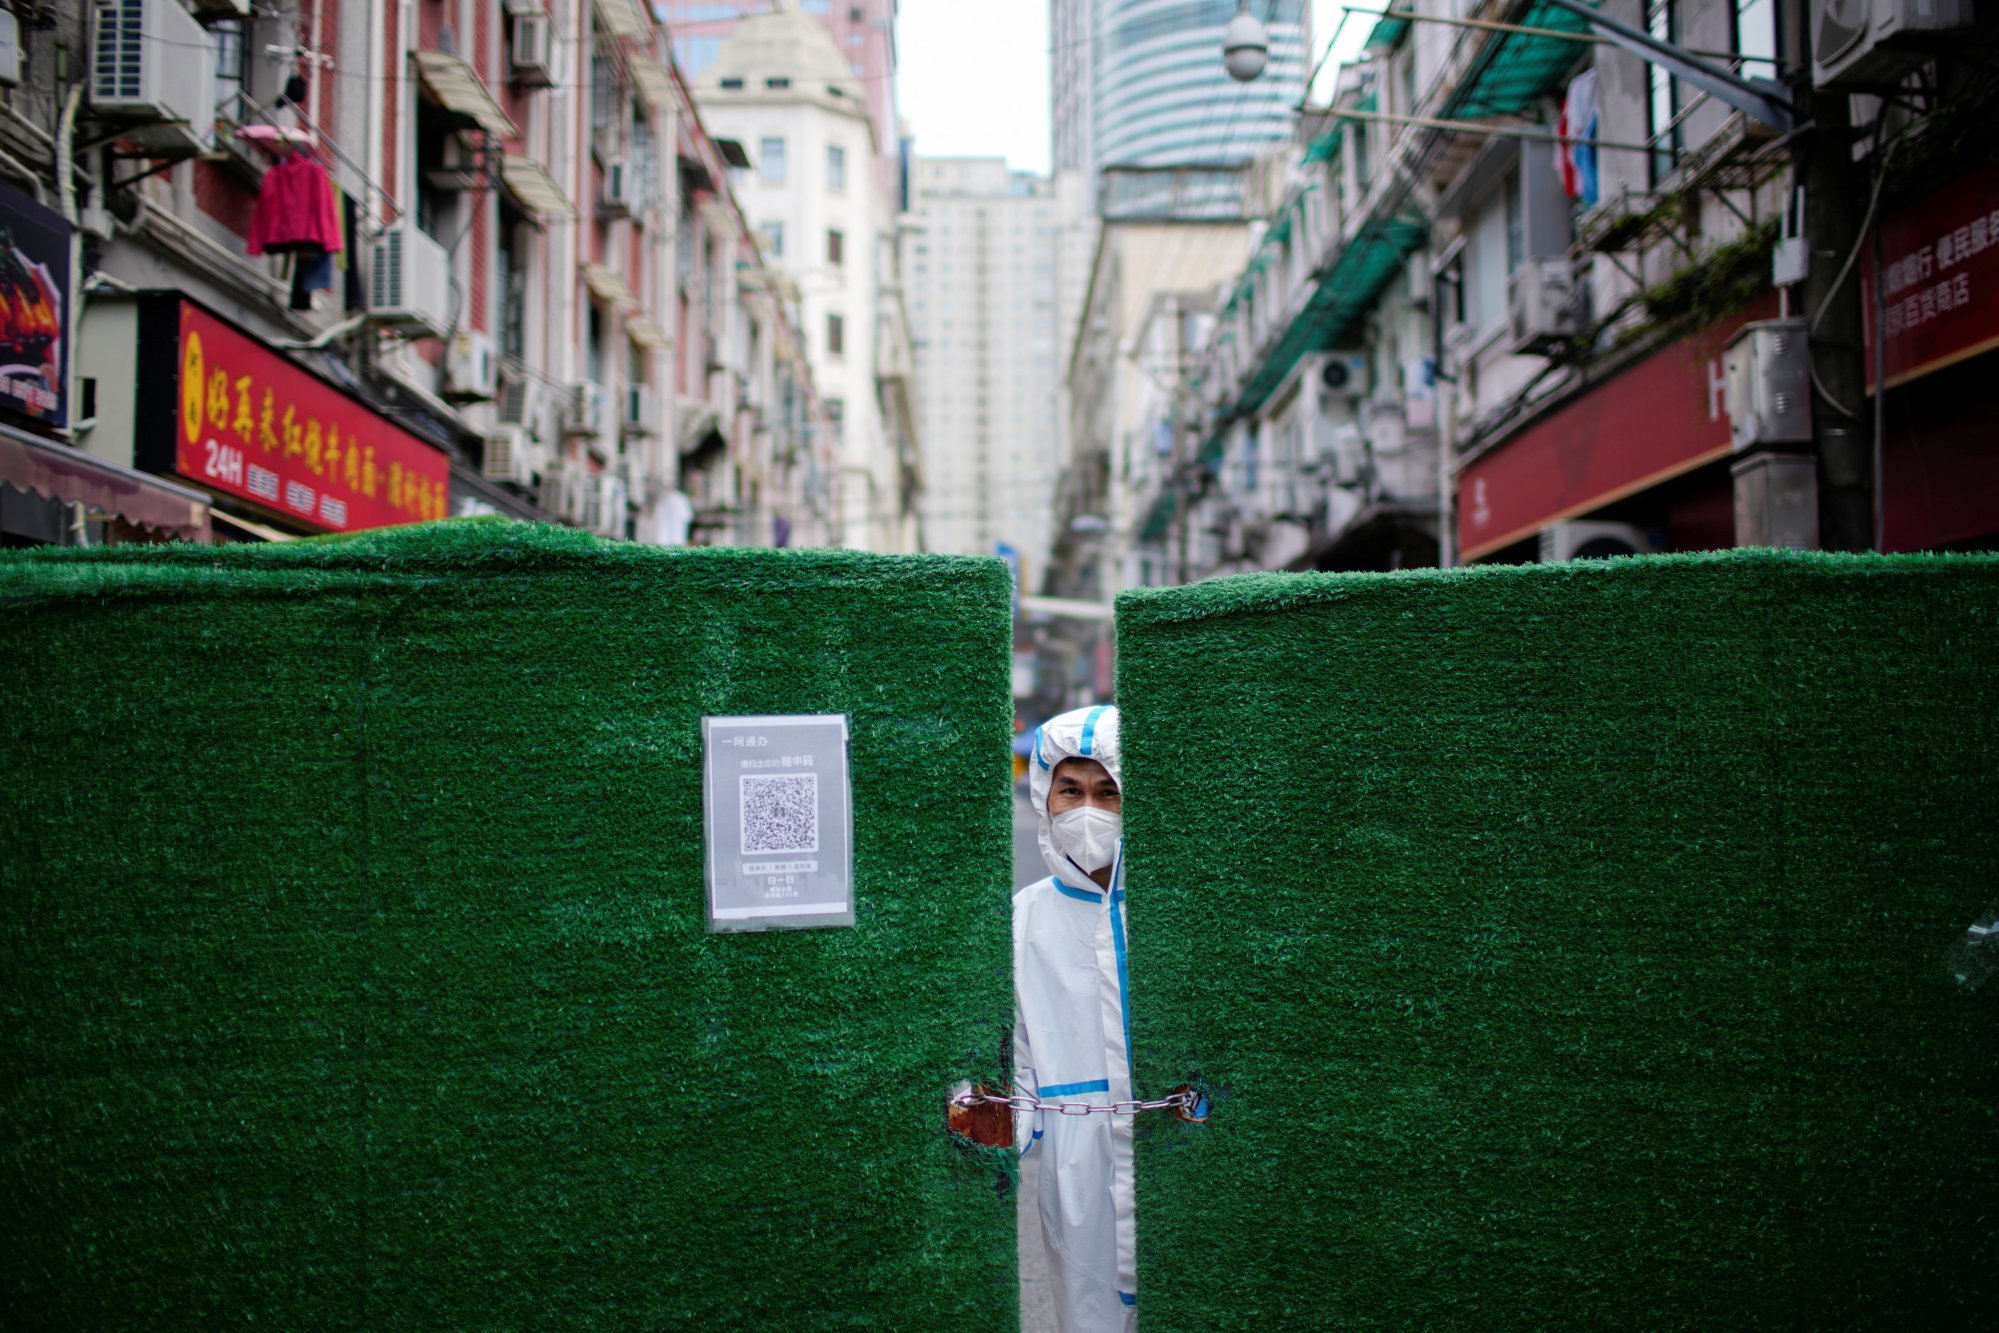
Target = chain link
(1186,1101)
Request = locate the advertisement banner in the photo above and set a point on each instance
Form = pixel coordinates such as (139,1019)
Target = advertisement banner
(255,424)
(34,309)
(1940,268)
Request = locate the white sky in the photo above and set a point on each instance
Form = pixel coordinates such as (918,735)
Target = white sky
(973,75)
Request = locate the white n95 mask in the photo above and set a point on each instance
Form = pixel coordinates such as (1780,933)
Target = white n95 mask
(1088,835)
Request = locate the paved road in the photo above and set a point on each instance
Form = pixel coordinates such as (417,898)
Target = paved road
(1037,1310)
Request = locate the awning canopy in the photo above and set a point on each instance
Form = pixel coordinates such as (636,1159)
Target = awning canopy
(654,83)
(643,331)
(1324,148)
(608,285)
(1367,264)
(71,476)
(620,18)
(1387,30)
(698,424)
(1159,517)
(534,189)
(459,89)
(1513,70)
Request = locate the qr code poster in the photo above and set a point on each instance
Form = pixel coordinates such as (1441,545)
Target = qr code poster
(778,820)
(781,814)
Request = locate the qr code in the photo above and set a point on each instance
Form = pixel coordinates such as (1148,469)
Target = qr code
(780,813)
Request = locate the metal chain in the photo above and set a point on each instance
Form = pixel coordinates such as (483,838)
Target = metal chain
(1187,1101)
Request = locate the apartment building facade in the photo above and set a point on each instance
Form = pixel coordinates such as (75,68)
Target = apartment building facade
(1523,295)
(781,88)
(337,265)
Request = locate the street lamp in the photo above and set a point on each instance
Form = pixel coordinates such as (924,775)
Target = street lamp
(1245,45)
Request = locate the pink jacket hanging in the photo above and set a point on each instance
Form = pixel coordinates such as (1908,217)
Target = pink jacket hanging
(295,209)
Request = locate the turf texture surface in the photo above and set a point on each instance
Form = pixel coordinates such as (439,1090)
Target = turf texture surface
(352,960)
(1566,946)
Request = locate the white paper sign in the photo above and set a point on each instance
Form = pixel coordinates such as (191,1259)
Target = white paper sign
(778,808)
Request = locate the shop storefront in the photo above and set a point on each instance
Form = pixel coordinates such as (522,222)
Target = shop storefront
(1648,446)
(1939,303)
(52,493)
(281,449)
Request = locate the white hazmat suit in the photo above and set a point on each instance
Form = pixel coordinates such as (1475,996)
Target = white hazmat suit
(1071,1043)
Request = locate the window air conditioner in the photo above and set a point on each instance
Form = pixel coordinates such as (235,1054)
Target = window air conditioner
(510,456)
(1872,43)
(1584,541)
(470,370)
(1542,312)
(409,281)
(618,185)
(1769,379)
(586,410)
(1343,375)
(533,50)
(153,65)
(641,410)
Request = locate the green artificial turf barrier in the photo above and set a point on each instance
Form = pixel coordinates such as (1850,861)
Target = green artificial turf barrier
(1566,946)
(352,959)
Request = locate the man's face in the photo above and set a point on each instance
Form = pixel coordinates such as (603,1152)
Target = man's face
(1080,782)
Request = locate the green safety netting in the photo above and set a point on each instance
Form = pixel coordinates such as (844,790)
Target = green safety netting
(1512,70)
(1364,267)
(1280,230)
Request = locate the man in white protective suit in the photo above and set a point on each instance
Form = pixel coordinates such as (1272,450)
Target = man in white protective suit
(1072,1023)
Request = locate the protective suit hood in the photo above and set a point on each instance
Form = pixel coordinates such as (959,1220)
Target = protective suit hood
(1081,733)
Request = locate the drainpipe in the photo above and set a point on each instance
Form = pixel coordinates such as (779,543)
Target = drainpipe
(65,170)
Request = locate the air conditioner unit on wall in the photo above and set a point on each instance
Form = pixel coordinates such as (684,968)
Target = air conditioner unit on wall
(1343,375)
(1583,541)
(471,371)
(154,65)
(618,185)
(641,410)
(586,410)
(1872,43)
(409,281)
(533,50)
(510,456)
(517,402)
(1542,312)
(1769,384)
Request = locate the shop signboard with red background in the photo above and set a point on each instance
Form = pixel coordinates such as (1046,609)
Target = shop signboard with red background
(230,414)
(1940,267)
(34,309)
(1657,419)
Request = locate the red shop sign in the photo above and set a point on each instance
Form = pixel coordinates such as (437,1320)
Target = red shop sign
(1940,261)
(253,423)
(1649,422)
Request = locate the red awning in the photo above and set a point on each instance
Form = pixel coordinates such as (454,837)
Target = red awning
(71,476)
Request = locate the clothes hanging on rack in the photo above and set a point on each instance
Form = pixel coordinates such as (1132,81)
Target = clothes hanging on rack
(296,211)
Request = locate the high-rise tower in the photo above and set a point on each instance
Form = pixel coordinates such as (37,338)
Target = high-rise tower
(1141,83)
